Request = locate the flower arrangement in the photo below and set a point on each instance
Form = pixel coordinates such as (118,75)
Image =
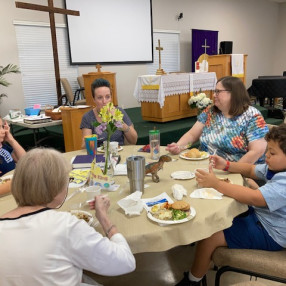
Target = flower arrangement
(200,101)
(112,119)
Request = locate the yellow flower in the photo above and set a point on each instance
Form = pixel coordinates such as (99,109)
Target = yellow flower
(118,116)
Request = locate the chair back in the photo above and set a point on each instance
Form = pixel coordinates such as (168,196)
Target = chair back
(68,90)
(81,84)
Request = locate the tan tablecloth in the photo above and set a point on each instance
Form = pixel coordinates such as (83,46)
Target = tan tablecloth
(144,235)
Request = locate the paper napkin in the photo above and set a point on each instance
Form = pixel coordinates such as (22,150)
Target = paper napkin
(179,191)
(132,204)
(206,193)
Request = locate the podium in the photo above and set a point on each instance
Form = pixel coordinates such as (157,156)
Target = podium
(90,77)
(71,119)
(221,65)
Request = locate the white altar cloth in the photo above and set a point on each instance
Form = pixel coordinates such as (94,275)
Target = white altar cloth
(154,88)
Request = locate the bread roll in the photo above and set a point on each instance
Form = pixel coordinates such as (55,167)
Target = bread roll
(193,153)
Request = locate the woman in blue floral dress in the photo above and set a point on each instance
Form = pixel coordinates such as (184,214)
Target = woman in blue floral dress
(232,128)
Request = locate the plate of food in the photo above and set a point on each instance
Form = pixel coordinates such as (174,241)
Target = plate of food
(78,177)
(101,149)
(182,175)
(194,155)
(5,179)
(86,216)
(166,214)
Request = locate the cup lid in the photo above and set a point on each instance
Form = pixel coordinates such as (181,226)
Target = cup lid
(154,131)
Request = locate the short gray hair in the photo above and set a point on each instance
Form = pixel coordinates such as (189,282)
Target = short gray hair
(40,175)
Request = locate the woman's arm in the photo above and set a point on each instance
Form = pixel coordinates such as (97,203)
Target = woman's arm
(130,133)
(85,132)
(191,136)
(18,150)
(256,149)
(5,188)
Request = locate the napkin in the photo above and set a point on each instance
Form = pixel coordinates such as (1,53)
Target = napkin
(178,192)
(206,193)
(145,148)
(132,204)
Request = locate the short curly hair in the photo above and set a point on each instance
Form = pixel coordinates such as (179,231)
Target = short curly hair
(278,134)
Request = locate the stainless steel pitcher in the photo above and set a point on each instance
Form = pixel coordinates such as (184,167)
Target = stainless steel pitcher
(136,173)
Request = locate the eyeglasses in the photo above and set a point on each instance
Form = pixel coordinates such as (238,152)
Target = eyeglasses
(218,91)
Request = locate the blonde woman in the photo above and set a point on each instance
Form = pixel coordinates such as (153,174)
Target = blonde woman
(41,246)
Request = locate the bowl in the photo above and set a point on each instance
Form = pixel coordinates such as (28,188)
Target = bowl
(32,111)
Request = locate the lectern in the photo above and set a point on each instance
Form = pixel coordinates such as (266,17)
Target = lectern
(221,65)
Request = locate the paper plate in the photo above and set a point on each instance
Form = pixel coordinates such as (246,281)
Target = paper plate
(101,150)
(182,175)
(86,216)
(203,157)
(6,178)
(161,222)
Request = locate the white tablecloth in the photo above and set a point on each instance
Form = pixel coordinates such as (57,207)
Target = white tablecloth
(154,88)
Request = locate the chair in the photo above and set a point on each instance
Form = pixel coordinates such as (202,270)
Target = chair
(268,265)
(81,85)
(72,99)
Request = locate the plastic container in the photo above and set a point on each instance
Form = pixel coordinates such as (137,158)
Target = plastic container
(154,141)
(32,111)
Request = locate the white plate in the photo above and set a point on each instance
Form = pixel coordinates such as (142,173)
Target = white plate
(183,175)
(182,155)
(101,150)
(91,221)
(4,178)
(165,222)
(81,175)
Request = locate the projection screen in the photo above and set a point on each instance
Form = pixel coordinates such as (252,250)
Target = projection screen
(110,31)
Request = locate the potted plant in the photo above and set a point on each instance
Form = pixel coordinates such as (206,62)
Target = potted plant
(10,68)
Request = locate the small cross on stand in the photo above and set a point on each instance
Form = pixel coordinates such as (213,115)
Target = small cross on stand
(52,10)
(98,66)
(206,47)
(159,71)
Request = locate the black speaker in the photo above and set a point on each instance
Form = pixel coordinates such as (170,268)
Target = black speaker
(225,47)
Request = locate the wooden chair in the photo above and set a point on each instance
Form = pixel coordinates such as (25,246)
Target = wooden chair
(81,85)
(268,265)
(73,99)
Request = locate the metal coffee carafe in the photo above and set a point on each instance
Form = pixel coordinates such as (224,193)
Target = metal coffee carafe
(136,173)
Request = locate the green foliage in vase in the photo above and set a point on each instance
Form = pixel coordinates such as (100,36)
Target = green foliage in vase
(4,71)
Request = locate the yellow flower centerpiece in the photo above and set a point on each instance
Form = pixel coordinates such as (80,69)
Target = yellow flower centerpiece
(111,120)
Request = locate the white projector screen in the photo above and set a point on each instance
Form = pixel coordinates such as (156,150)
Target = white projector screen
(110,31)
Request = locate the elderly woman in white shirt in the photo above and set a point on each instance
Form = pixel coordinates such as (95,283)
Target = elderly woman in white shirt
(41,246)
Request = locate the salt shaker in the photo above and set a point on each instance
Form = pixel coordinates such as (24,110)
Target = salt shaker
(154,140)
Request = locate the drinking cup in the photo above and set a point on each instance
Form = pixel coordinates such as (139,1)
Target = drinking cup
(136,173)
(91,192)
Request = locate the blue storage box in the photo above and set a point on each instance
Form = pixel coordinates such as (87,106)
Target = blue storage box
(32,111)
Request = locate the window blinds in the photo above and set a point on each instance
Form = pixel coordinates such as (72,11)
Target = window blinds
(170,56)
(37,63)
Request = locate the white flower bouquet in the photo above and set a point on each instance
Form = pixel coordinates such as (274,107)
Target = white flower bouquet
(200,101)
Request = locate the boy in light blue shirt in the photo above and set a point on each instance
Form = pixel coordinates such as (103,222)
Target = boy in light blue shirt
(263,225)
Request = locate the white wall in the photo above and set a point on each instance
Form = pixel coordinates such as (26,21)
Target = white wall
(256,27)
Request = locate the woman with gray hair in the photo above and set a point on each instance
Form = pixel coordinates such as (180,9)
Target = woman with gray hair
(41,246)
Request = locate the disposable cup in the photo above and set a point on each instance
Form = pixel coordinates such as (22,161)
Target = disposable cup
(91,192)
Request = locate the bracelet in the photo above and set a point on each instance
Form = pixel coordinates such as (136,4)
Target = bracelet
(108,231)
(127,130)
(226,166)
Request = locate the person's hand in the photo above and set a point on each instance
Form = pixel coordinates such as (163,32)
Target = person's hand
(217,162)
(8,136)
(206,179)
(173,148)
(101,205)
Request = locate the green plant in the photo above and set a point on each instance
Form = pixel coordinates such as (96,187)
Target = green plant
(6,70)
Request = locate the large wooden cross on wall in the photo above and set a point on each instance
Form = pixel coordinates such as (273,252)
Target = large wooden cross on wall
(52,10)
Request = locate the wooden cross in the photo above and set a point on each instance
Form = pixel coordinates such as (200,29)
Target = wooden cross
(205,46)
(98,66)
(52,10)
(159,49)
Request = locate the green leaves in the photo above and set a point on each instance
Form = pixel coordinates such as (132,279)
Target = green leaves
(6,70)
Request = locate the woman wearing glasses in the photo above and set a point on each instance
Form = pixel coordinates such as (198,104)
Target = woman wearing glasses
(231,128)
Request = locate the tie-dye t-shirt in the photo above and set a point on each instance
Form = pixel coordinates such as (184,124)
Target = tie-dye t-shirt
(230,136)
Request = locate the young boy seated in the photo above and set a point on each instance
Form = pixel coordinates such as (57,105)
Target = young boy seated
(263,226)
(9,154)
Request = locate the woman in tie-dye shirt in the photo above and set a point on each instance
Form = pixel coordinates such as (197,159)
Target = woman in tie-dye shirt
(232,128)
